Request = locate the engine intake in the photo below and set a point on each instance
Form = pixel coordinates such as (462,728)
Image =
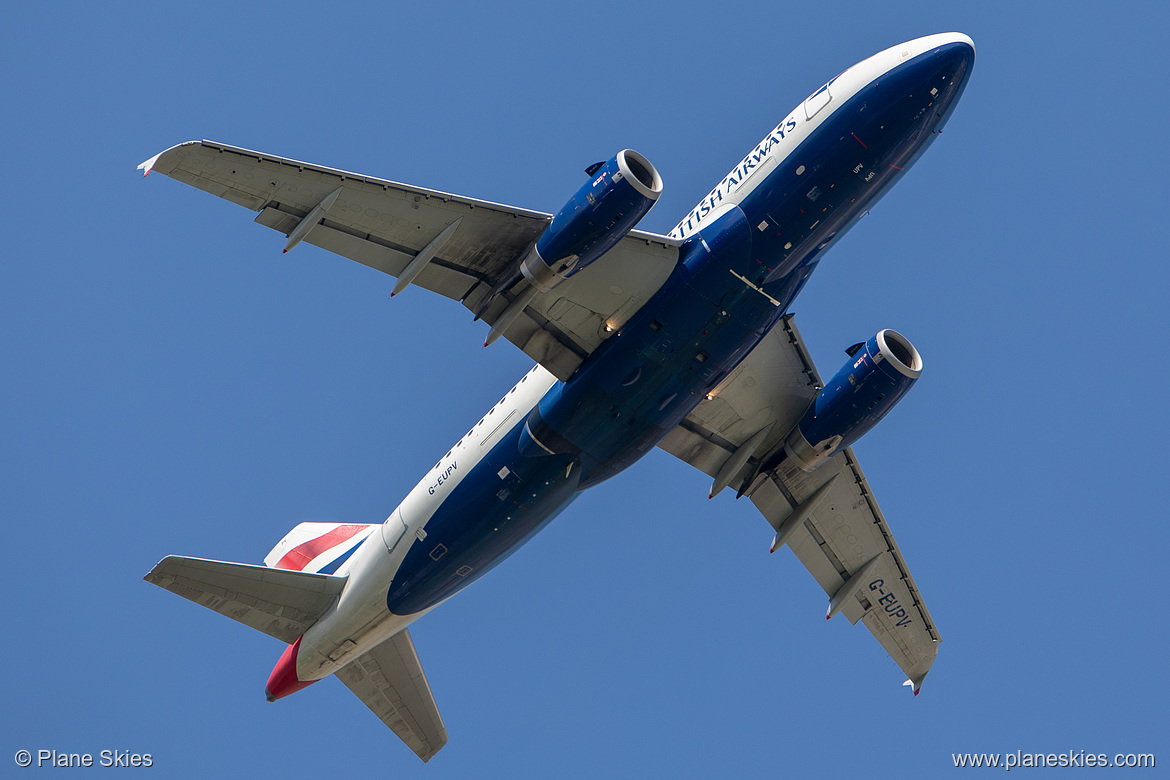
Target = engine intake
(621,191)
(878,374)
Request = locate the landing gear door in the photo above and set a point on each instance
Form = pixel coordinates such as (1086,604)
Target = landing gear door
(393,530)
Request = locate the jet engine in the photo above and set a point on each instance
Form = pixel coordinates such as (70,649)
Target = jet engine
(878,374)
(619,193)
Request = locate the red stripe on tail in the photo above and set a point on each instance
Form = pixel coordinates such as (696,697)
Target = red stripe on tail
(300,556)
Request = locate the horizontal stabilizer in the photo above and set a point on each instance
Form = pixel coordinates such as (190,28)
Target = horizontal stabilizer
(391,682)
(282,604)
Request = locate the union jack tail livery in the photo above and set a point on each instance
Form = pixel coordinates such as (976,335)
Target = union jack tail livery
(318,547)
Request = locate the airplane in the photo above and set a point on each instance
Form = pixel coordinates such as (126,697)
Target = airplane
(681,341)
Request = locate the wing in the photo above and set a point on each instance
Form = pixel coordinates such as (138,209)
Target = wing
(280,603)
(456,246)
(829,518)
(390,681)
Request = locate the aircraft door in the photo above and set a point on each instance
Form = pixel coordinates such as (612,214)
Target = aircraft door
(816,101)
(393,529)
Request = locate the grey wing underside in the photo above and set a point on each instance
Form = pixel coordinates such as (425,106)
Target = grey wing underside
(282,604)
(386,225)
(390,681)
(839,533)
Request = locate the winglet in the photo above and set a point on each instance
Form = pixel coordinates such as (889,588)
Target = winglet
(148,166)
(916,686)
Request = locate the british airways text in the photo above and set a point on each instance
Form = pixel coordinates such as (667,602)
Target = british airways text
(735,179)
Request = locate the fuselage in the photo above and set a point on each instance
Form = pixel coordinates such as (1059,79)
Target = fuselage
(747,250)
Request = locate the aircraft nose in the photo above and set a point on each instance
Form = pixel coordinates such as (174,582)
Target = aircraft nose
(956,57)
(942,74)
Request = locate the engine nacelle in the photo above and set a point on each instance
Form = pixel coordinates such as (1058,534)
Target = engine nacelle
(617,196)
(876,377)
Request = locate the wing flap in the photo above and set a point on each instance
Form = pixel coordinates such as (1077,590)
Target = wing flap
(438,276)
(332,236)
(281,603)
(844,532)
(773,385)
(390,681)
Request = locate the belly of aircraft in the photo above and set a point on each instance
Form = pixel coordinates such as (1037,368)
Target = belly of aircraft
(509,495)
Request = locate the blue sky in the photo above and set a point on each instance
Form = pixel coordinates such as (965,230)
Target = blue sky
(173,384)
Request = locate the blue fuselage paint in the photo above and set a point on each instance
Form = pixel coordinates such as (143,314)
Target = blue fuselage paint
(736,278)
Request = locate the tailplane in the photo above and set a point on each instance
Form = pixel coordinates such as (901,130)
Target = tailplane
(287,596)
(390,681)
(282,604)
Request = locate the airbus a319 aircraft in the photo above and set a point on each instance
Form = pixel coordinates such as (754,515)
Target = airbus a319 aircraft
(680,341)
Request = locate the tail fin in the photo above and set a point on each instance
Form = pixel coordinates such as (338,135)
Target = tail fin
(282,604)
